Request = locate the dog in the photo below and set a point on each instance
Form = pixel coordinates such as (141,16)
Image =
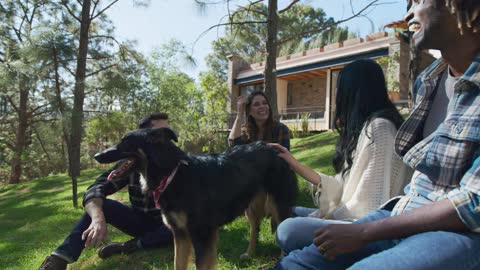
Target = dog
(200,193)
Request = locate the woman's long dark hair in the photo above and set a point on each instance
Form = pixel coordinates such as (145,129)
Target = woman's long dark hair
(251,127)
(361,97)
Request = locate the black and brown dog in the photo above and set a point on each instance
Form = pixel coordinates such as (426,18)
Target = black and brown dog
(200,193)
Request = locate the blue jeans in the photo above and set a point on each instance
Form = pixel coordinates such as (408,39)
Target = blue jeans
(297,232)
(150,232)
(431,250)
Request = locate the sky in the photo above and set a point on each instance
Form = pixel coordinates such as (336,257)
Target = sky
(163,20)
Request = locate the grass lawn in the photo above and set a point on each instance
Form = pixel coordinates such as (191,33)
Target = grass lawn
(36,216)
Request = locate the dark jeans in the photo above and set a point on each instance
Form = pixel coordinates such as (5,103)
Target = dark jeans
(150,232)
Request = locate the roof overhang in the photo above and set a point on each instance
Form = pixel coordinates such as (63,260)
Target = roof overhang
(338,57)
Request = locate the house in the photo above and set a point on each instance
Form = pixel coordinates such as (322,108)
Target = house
(306,81)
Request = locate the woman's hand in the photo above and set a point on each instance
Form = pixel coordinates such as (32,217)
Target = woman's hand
(304,171)
(241,104)
(284,153)
(337,239)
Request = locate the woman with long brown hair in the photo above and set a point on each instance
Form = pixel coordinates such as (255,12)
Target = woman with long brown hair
(259,124)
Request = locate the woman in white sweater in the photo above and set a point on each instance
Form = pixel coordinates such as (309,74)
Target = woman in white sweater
(368,171)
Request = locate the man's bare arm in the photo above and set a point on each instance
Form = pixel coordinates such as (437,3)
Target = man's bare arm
(96,233)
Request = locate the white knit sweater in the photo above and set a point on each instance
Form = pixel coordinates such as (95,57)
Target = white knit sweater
(376,175)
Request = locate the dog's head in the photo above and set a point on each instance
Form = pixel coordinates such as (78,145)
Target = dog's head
(150,152)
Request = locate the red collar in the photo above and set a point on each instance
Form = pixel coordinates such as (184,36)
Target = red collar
(166,180)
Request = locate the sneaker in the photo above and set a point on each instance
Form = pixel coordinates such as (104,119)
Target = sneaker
(53,262)
(118,248)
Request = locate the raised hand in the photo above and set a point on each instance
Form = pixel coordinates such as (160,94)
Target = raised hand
(241,104)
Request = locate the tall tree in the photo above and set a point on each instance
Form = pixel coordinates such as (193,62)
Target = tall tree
(87,15)
(270,73)
(79,96)
(20,67)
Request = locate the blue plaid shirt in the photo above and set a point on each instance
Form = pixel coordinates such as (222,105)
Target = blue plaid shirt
(446,163)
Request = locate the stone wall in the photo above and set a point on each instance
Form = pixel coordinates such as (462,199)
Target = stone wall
(309,93)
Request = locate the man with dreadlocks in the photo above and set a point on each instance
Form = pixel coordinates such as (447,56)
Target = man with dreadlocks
(436,225)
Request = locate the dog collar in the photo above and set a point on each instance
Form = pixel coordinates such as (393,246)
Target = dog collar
(164,184)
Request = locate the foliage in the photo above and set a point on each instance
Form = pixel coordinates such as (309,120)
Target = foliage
(305,123)
(248,40)
(37,215)
(214,91)
(103,131)
(391,68)
(38,55)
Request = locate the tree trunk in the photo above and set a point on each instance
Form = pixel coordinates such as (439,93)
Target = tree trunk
(78,99)
(270,79)
(61,109)
(20,141)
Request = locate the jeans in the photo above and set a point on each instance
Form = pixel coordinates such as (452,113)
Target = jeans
(148,231)
(297,232)
(426,251)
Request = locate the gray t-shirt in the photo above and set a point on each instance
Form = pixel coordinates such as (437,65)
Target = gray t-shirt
(442,103)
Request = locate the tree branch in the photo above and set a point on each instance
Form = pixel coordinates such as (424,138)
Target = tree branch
(103,10)
(42,145)
(289,6)
(106,37)
(240,8)
(68,69)
(65,4)
(95,5)
(38,108)
(224,24)
(10,100)
(100,70)
(328,26)
(211,3)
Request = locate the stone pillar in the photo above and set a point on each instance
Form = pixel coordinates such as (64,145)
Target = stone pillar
(282,86)
(393,70)
(235,64)
(326,114)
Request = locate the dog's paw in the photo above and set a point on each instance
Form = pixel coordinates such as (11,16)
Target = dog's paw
(244,257)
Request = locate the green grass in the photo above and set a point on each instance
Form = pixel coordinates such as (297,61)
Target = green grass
(36,216)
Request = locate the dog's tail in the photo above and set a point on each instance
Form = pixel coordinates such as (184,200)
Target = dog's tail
(282,185)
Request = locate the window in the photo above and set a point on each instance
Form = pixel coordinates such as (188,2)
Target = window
(247,89)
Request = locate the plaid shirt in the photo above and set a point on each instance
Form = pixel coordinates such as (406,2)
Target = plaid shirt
(446,163)
(280,135)
(102,187)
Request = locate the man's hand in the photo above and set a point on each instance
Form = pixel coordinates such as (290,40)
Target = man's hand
(337,239)
(96,234)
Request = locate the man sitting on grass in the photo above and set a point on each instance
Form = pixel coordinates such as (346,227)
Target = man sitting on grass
(142,220)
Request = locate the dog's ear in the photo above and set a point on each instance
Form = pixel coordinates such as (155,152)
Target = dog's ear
(161,135)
